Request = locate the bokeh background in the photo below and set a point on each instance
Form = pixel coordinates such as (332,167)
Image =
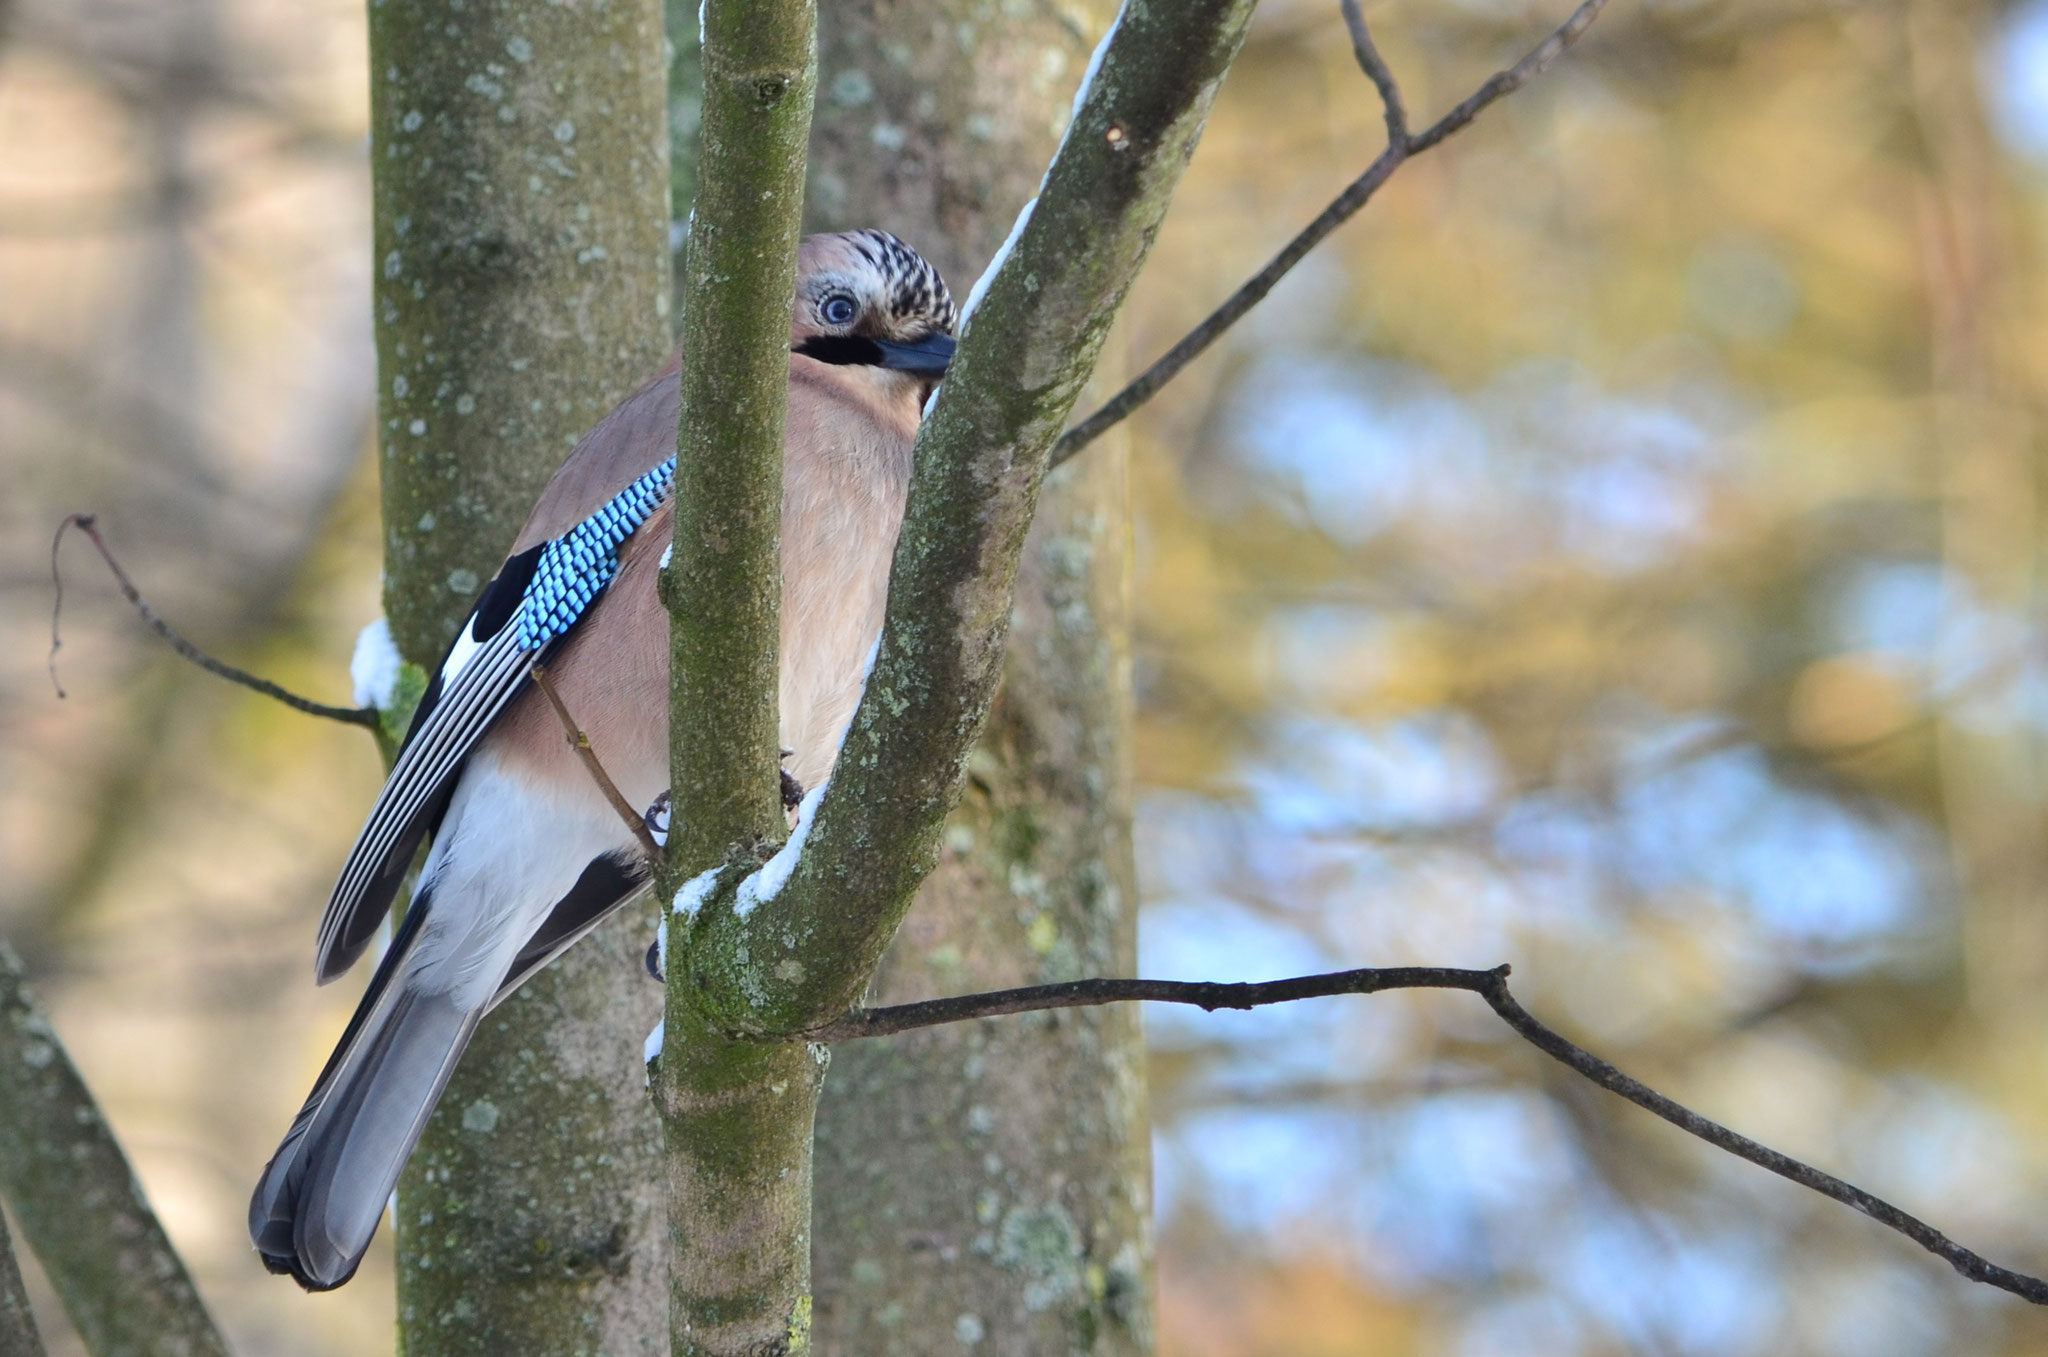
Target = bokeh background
(1619,553)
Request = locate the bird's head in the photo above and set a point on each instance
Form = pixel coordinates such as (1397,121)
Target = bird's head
(864,299)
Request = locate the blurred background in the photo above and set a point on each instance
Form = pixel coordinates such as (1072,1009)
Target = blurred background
(1618,553)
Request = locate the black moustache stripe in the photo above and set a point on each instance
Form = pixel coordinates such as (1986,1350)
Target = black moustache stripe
(842,350)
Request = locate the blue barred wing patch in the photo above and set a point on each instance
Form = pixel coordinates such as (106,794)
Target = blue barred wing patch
(574,568)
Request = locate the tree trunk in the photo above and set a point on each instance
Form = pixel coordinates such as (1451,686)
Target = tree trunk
(79,1203)
(985,1187)
(18,1336)
(522,288)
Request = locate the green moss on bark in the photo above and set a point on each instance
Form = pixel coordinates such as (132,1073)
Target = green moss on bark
(935,1147)
(737,1116)
(78,1202)
(521,247)
(723,584)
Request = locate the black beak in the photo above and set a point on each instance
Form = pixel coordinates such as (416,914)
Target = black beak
(928,357)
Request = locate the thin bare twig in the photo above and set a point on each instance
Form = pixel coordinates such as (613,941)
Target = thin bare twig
(1376,70)
(1491,986)
(89,525)
(580,742)
(1340,210)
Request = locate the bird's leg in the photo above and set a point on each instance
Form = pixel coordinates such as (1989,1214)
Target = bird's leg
(792,790)
(656,820)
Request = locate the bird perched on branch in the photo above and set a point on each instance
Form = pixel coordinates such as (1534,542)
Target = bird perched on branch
(527,853)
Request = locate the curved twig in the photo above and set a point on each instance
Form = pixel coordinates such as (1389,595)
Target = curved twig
(88,524)
(1491,986)
(580,742)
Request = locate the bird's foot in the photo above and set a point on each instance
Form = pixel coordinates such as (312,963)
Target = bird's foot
(792,790)
(656,819)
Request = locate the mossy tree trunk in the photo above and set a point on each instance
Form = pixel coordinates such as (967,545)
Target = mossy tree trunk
(985,1187)
(758,961)
(521,193)
(18,1336)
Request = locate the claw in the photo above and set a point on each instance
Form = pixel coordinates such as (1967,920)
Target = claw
(656,819)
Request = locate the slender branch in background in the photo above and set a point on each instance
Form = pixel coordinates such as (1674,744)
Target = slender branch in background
(78,1202)
(1400,146)
(17,1325)
(1491,986)
(1376,70)
(580,742)
(89,525)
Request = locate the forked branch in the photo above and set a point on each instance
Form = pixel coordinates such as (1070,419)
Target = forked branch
(81,1210)
(1401,145)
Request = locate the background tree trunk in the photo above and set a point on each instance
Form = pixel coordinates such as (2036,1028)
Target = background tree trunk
(18,1336)
(987,1187)
(521,193)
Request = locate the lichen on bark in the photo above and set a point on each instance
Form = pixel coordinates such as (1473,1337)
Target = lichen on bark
(800,959)
(520,172)
(78,1202)
(736,1115)
(993,1178)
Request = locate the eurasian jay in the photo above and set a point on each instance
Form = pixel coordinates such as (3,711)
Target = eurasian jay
(527,855)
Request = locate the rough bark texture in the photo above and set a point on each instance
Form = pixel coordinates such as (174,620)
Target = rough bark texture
(78,1202)
(985,1187)
(685,116)
(521,193)
(793,961)
(723,583)
(736,1116)
(18,1336)
(803,958)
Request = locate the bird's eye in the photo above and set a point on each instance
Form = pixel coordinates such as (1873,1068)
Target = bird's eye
(838,309)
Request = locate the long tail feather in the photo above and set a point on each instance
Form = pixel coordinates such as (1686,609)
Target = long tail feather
(323,1193)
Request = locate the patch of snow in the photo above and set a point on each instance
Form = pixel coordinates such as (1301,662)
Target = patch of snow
(373,669)
(668,553)
(1094,66)
(767,883)
(651,1048)
(661,947)
(981,284)
(988,274)
(694,892)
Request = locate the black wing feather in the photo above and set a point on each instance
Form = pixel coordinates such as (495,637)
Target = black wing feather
(452,716)
(609,881)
